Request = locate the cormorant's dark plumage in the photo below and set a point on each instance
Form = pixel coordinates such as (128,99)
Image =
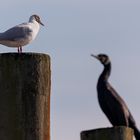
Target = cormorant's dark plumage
(110,102)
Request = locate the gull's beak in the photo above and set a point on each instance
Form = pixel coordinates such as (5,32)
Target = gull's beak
(94,56)
(41,23)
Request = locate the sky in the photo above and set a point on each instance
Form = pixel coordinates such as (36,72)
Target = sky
(73,30)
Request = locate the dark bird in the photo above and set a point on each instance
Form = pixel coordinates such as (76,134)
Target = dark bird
(110,101)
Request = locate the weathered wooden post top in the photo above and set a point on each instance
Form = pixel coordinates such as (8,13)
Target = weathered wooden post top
(25,96)
(114,133)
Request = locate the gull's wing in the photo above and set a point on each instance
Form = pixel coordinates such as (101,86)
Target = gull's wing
(16,33)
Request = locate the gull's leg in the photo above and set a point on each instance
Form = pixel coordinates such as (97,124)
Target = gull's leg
(20,49)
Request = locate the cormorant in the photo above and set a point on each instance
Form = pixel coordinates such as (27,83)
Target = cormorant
(110,102)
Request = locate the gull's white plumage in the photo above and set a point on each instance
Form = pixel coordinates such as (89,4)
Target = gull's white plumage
(21,34)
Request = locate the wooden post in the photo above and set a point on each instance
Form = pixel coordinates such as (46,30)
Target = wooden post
(24,96)
(114,133)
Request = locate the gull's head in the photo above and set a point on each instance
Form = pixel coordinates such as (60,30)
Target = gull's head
(36,18)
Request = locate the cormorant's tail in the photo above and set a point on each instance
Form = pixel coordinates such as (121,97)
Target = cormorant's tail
(136,133)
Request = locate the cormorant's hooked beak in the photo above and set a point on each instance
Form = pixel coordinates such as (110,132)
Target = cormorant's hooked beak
(95,56)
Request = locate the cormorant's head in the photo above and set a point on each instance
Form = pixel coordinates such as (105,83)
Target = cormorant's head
(103,58)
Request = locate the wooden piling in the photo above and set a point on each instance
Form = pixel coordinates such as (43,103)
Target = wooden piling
(24,96)
(114,133)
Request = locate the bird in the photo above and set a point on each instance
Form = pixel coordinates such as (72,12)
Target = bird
(111,103)
(22,34)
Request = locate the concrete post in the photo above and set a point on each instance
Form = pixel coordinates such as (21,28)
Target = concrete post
(24,96)
(114,133)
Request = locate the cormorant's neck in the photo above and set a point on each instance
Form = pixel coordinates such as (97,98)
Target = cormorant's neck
(106,72)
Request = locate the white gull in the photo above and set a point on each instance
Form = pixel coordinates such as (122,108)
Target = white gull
(21,34)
